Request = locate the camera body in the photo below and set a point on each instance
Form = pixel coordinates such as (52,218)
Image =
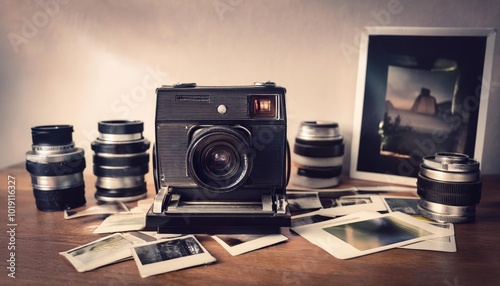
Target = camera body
(220,160)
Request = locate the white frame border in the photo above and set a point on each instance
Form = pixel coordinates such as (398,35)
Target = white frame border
(489,33)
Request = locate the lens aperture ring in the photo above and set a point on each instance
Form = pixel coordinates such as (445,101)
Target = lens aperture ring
(318,131)
(309,150)
(121,171)
(119,182)
(443,213)
(467,166)
(139,146)
(462,177)
(120,137)
(136,159)
(320,173)
(463,188)
(72,154)
(57,182)
(121,194)
(52,149)
(56,169)
(450,198)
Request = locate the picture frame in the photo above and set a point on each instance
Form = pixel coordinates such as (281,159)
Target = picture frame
(419,91)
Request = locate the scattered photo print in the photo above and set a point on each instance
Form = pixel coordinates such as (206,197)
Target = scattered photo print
(377,232)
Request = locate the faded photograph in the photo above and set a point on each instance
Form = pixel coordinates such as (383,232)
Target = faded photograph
(167,250)
(374,233)
(100,249)
(233,240)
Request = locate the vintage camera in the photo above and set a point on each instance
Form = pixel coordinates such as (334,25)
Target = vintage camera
(220,160)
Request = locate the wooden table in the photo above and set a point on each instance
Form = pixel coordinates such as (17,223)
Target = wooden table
(40,236)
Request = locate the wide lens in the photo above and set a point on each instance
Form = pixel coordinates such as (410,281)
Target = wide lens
(221,160)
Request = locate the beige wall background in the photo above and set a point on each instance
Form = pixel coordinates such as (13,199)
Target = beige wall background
(79,62)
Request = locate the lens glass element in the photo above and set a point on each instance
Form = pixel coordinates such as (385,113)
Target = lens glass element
(217,159)
(221,160)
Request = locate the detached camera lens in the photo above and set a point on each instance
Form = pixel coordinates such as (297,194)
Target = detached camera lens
(56,168)
(120,161)
(318,154)
(218,159)
(449,187)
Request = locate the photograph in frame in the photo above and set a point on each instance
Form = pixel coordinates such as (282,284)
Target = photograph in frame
(419,91)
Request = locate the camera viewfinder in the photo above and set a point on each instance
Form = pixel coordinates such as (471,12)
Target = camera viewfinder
(263,106)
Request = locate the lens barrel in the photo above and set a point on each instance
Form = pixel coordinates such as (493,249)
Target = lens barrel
(318,154)
(120,161)
(56,168)
(449,186)
(218,158)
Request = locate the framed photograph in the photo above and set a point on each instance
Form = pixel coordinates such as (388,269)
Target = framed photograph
(419,91)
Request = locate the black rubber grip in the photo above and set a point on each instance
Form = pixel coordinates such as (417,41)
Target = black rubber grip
(469,199)
(308,150)
(320,173)
(125,171)
(449,187)
(61,199)
(136,160)
(56,169)
(139,146)
(121,192)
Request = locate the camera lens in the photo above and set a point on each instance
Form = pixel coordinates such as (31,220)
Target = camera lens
(221,160)
(120,161)
(449,187)
(218,158)
(56,168)
(318,154)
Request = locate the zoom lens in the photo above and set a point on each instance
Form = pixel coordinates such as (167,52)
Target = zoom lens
(120,161)
(318,154)
(449,187)
(56,168)
(218,158)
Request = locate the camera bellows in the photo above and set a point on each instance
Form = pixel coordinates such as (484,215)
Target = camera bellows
(56,168)
(120,161)
(449,187)
(318,154)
